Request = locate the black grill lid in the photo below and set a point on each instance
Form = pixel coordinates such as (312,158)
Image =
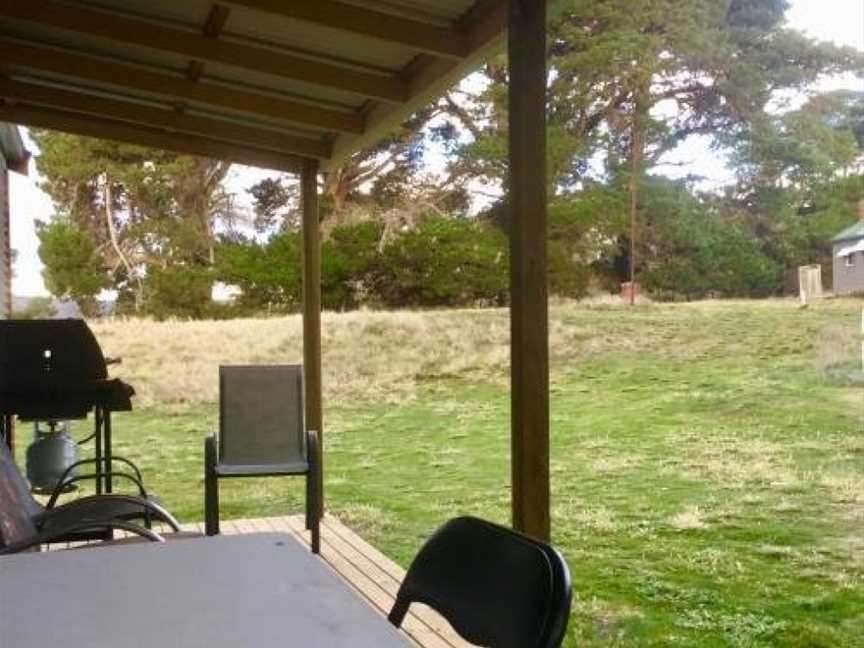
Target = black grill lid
(54,369)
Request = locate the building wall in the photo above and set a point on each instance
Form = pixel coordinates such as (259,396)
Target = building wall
(5,245)
(848,279)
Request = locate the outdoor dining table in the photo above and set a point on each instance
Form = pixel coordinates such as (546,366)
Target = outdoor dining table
(226,591)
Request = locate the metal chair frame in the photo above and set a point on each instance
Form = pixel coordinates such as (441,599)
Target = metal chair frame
(29,525)
(216,468)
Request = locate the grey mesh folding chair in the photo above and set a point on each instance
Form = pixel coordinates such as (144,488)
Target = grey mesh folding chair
(262,434)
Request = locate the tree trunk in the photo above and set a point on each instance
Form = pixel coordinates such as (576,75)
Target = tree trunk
(115,244)
(636,151)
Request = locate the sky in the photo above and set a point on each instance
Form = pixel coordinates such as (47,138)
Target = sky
(840,21)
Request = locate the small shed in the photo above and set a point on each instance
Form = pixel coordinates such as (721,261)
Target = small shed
(13,157)
(849,257)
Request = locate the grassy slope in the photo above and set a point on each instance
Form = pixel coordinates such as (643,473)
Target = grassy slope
(708,480)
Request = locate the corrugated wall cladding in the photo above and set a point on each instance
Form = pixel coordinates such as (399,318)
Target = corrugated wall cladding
(848,276)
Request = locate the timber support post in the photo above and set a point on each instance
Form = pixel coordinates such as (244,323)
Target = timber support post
(312,310)
(529,335)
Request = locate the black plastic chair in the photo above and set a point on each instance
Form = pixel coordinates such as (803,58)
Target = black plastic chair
(262,434)
(25,525)
(496,587)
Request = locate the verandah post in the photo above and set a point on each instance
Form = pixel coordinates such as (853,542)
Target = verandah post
(312,307)
(528,311)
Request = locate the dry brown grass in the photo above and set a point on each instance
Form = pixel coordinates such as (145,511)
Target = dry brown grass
(373,355)
(383,356)
(377,355)
(692,518)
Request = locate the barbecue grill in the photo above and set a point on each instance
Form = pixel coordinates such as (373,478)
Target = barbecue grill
(54,370)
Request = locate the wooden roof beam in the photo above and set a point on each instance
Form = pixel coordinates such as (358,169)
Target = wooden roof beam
(133,78)
(162,118)
(144,136)
(200,47)
(213,26)
(419,36)
(429,76)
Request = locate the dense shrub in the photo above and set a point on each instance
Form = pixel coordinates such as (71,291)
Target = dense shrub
(179,291)
(269,275)
(73,265)
(685,251)
(446,262)
(686,248)
(707,257)
(351,265)
(581,231)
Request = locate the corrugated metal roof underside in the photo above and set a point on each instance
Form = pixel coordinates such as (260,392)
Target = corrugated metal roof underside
(254,66)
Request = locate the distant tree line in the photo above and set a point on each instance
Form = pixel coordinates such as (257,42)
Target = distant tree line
(630,82)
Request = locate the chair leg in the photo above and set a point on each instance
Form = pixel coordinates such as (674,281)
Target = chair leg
(313,520)
(309,498)
(398,612)
(313,491)
(316,535)
(211,488)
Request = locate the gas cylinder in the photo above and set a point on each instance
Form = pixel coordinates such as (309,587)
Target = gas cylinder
(49,455)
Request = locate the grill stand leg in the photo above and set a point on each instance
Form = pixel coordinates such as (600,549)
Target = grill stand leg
(97,442)
(106,429)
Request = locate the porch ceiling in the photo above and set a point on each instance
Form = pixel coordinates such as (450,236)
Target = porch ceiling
(262,82)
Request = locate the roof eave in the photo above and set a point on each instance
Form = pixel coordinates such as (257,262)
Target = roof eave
(488,38)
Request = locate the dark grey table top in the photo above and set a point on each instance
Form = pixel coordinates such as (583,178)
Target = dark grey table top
(236,591)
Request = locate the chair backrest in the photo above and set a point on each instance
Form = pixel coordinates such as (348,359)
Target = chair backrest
(261,415)
(496,587)
(17,506)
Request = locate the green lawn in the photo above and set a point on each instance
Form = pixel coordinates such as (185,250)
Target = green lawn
(707,464)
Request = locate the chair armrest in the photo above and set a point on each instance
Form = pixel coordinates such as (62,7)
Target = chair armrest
(313,449)
(52,536)
(64,481)
(159,511)
(52,501)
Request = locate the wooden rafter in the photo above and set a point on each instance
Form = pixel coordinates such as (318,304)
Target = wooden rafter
(162,118)
(428,75)
(200,47)
(419,36)
(133,78)
(213,26)
(144,136)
